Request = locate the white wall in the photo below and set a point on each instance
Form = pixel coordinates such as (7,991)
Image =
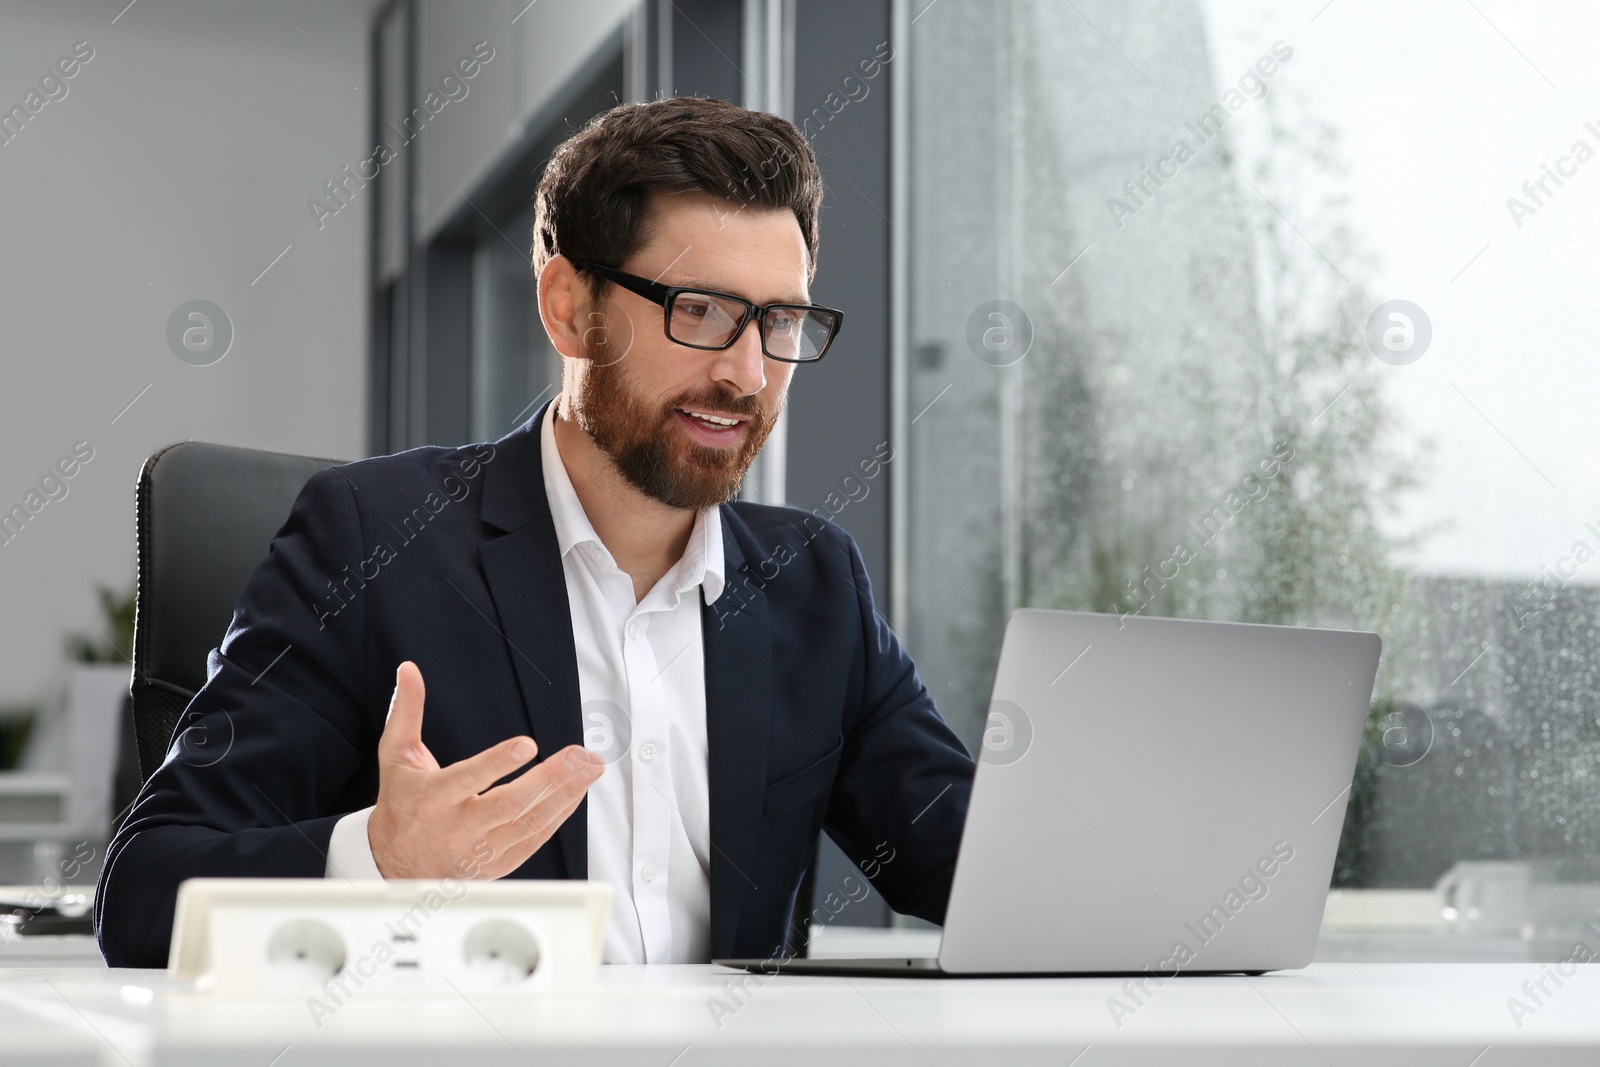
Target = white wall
(190,144)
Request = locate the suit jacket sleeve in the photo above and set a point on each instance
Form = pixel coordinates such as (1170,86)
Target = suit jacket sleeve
(267,748)
(899,802)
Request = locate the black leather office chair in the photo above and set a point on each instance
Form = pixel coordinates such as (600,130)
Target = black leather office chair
(205,516)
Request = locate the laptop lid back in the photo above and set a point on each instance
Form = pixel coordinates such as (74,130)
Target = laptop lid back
(1157,794)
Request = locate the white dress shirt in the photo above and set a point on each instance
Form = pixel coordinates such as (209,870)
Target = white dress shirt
(641,681)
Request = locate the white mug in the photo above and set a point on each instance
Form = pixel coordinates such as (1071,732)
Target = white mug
(1488,896)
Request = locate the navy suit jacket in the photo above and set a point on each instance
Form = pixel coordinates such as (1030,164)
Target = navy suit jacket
(815,717)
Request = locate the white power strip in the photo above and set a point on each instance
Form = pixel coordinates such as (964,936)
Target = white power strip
(313,935)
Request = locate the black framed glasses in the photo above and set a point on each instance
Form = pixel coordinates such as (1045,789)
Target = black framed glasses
(703,318)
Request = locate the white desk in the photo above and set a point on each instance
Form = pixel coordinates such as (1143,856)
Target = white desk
(1329,1014)
(31,1036)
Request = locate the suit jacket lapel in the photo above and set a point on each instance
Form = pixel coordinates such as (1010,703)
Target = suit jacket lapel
(523,570)
(738,665)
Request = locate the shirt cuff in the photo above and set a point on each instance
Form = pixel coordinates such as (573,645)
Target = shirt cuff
(349,851)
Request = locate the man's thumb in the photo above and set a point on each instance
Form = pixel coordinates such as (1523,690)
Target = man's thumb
(404,724)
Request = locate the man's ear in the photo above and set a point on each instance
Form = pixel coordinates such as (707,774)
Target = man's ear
(563,305)
(577,326)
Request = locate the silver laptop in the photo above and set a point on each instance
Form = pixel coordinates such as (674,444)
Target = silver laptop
(1155,796)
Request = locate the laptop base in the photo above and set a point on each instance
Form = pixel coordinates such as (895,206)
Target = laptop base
(916,967)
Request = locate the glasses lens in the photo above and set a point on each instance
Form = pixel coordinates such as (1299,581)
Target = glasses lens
(703,319)
(792,332)
(798,333)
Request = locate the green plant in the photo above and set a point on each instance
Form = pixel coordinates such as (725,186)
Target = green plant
(113,641)
(16,726)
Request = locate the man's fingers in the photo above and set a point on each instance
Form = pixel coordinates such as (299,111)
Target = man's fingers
(402,730)
(572,769)
(541,823)
(551,807)
(464,778)
(513,842)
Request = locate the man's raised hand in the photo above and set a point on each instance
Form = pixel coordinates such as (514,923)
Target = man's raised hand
(438,822)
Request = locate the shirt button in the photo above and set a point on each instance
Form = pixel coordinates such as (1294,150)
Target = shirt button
(647,751)
(635,628)
(648,872)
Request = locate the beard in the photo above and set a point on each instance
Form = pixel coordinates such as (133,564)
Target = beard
(639,436)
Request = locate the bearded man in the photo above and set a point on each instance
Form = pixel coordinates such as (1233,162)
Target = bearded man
(630,676)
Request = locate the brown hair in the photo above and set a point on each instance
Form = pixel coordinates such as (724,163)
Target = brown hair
(592,201)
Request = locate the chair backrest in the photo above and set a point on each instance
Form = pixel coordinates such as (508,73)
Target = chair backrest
(205,516)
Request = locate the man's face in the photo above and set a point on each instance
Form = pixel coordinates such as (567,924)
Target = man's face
(640,395)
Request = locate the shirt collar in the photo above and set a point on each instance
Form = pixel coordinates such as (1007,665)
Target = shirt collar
(702,563)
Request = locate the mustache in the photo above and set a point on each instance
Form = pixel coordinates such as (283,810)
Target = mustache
(718,400)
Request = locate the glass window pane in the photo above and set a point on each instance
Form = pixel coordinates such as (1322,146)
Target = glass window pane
(1218,313)
(514,366)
